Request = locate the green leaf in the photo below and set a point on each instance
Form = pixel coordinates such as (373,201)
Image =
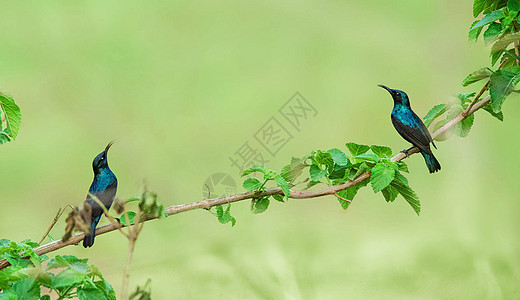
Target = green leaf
(13,116)
(390,193)
(476,76)
(489,109)
(491,34)
(367,157)
(400,177)
(131,217)
(324,158)
(339,157)
(253,169)
(269,175)
(225,217)
(474,33)
(381,151)
(434,113)
(316,173)
(4,137)
(294,169)
(381,177)
(357,149)
(408,194)
(465,97)
(504,41)
(489,18)
(284,185)
(513,6)
(68,277)
(343,194)
(251,184)
(278,197)
(402,166)
(90,293)
(502,83)
(495,56)
(478,7)
(26,289)
(261,205)
(464,126)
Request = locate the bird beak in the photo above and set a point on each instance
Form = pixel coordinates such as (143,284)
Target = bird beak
(108,146)
(387,88)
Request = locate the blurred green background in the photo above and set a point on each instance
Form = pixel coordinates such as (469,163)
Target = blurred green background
(181,85)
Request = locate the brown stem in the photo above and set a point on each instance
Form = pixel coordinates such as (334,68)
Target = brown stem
(56,218)
(484,88)
(207,203)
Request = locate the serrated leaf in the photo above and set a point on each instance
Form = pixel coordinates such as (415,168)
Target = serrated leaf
(381,177)
(13,116)
(278,197)
(4,137)
(477,76)
(466,97)
(390,193)
(408,194)
(367,157)
(489,109)
(261,205)
(224,216)
(68,277)
(253,169)
(324,158)
(339,157)
(474,33)
(491,34)
(316,173)
(251,184)
(381,151)
(434,113)
(294,169)
(401,178)
(502,83)
(504,41)
(284,185)
(350,193)
(478,7)
(357,149)
(269,175)
(513,6)
(464,126)
(402,166)
(489,18)
(495,56)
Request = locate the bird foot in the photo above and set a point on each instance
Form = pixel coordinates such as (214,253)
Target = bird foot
(405,151)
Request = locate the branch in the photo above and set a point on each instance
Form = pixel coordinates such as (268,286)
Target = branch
(208,203)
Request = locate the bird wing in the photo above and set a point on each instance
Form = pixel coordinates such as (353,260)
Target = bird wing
(414,135)
(106,197)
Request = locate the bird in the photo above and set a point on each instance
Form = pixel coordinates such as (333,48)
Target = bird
(411,128)
(104,187)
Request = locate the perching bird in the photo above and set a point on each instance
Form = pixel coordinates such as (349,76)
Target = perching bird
(104,187)
(411,128)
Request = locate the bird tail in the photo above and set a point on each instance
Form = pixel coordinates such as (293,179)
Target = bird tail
(88,241)
(432,163)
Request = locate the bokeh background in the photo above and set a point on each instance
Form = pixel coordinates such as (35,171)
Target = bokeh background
(182,85)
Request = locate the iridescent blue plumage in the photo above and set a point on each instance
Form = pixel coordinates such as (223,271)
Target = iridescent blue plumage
(104,188)
(411,127)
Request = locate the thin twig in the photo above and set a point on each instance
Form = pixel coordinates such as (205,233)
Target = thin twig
(484,88)
(336,194)
(207,203)
(56,218)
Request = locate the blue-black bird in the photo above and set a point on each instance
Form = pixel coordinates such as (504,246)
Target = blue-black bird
(411,128)
(104,187)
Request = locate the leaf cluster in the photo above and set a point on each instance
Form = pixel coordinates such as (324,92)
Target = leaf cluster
(500,22)
(10,118)
(67,276)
